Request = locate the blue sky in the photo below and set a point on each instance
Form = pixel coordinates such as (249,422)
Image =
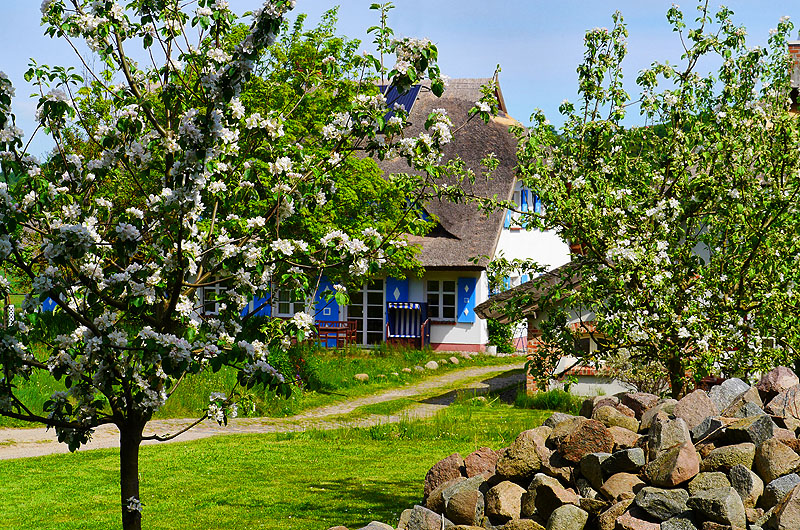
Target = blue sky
(538,44)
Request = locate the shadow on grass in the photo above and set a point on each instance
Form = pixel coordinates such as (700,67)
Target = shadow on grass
(505,385)
(367,500)
(328,392)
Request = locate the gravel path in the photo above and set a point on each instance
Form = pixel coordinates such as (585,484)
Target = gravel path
(23,443)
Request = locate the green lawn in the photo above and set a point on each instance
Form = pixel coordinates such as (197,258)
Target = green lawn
(333,381)
(309,480)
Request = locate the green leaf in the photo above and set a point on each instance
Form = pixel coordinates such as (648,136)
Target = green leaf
(437,87)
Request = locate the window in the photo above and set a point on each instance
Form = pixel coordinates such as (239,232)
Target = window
(287,303)
(211,295)
(525,201)
(441,297)
(367,309)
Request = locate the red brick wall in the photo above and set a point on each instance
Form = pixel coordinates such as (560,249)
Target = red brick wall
(794,52)
(535,344)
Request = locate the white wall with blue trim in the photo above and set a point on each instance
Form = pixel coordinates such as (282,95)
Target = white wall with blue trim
(461,330)
(516,242)
(467,331)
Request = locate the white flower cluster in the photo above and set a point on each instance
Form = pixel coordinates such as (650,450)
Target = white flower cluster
(303,321)
(408,51)
(343,241)
(272,10)
(6,246)
(128,232)
(10,133)
(217,187)
(72,240)
(132,504)
(59,96)
(288,246)
(218,55)
(179,348)
(440,128)
(340,126)
(281,165)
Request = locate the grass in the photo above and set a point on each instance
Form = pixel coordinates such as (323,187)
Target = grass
(331,372)
(455,392)
(332,378)
(471,422)
(14,299)
(293,481)
(33,392)
(384,408)
(550,400)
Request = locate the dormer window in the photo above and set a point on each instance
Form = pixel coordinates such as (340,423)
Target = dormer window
(524,200)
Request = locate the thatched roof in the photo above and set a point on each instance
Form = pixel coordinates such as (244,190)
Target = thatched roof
(524,300)
(464,231)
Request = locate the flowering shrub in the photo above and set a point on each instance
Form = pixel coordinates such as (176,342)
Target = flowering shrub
(168,179)
(686,226)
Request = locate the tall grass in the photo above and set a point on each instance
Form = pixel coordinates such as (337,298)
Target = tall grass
(470,421)
(550,400)
(33,392)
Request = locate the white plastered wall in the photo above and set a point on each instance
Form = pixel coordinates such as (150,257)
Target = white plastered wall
(474,334)
(546,248)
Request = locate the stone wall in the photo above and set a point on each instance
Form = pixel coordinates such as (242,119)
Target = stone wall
(726,459)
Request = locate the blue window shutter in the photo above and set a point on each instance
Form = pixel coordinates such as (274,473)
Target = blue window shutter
(465,299)
(524,279)
(523,194)
(264,305)
(49,305)
(537,204)
(325,310)
(507,222)
(259,305)
(396,290)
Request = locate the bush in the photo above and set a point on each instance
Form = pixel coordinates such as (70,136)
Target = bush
(293,363)
(649,377)
(501,335)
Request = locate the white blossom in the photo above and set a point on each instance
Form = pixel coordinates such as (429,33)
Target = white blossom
(284,246)
(303,321)
(128,232)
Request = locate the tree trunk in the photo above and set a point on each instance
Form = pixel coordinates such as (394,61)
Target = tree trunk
(130,437)
(677,377)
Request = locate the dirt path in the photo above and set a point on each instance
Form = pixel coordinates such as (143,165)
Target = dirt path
(22,443)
